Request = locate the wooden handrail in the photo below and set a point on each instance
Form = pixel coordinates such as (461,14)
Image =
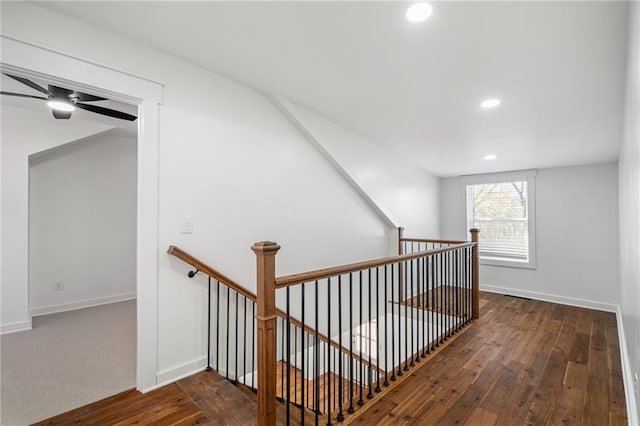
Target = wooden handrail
(429,240)
(203,267)
(305,277)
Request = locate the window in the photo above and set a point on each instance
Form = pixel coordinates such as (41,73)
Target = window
(502,206)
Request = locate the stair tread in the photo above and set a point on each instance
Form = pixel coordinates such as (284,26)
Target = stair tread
(215,395)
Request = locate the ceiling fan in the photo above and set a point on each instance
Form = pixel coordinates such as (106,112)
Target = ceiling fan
(64,101)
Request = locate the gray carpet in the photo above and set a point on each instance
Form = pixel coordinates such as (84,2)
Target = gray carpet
(68,360)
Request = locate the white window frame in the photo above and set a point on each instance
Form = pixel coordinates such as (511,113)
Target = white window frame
(529,176)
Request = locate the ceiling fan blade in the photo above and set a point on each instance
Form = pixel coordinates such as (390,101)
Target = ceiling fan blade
(23,96)
(106,111)
(85,97)
(59,92)
(61,115)
(30,83)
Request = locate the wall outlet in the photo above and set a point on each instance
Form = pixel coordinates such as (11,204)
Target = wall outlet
(58,285)
(635,382)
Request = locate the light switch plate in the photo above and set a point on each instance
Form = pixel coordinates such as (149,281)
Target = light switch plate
(186,225)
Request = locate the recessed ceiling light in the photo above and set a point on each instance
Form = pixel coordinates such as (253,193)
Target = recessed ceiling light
(61,105)
(490,103)
(419,12)
(490,157)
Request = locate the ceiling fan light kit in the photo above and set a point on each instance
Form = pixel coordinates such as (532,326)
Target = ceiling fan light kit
(64,101)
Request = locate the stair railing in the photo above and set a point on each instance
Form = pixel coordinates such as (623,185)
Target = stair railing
(380,317)
(233,316)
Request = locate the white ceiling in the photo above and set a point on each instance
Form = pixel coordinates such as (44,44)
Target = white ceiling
(558,68)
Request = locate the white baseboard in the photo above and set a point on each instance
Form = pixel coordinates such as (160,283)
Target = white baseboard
(581,303)
(14,327)
(627,374)
(87,303)
(173,374)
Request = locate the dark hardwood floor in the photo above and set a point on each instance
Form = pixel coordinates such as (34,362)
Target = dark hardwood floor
(522,362)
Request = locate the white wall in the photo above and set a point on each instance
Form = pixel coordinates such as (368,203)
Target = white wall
(82,223)
(576,237)
(403,192)
(23,134)
(233,162)
(629,181)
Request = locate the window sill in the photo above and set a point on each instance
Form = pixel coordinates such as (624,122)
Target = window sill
(507,263)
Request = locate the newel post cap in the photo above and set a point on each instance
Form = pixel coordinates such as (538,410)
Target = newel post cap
(265,247)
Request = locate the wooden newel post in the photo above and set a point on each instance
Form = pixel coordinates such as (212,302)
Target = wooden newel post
(475,260)
(266,325)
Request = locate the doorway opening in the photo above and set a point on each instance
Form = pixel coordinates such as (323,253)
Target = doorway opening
(81,216)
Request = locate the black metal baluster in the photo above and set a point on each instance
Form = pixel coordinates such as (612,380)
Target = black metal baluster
(386,330)
(228,301)
(253,339)
(465,285)
(412,309)
(369,372)
(351,410)
(310,393)
(281,334)
(445,292)
(470,284)
(441,287)
(340,389)
(235,381)
(288,400)
(328,358)
(445,273)
(399,318)
(377,389)
(457,283)
(295,365)
(244,342)
(434,320)
(361,364)
(427,276)
(393,345)
(421,308)
(439,299)
(423,301)
(303,348)
(406,317)
(448,295)
(316,353)
(217,323)
(209,325)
